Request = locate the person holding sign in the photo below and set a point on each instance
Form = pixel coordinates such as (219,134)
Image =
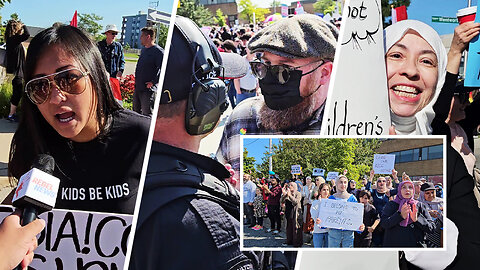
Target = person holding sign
(338,237)
(406,220)
(70,113)
(320,234)
(416,66)
(293,214)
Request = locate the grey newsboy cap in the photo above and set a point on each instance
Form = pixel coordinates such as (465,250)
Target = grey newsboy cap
(300,36)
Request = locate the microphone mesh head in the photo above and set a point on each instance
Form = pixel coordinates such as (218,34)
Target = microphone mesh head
(44,162)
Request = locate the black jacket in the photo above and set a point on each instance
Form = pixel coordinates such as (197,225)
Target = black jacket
(188,231)
(16,53)
(409,236)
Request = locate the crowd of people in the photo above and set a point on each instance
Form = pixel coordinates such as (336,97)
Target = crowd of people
(397,212)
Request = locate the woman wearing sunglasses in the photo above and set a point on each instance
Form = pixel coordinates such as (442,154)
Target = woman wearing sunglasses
(70,113)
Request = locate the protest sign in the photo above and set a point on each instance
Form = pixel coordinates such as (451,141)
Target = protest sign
(332,175)
(358,94)
(80,240)
(472,71)
(284,10)
(296,169)
(340,214)
(318,172)
(383,164)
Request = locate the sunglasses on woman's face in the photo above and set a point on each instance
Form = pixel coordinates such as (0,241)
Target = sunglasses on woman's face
(281,72)
(68,81)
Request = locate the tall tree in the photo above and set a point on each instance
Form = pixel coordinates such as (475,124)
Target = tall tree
(195,12)
(275,4)
(219,18)
(387,8)
(324,6)
(162,33)
(248,163)
(247,9)
(355,155)
(90,24)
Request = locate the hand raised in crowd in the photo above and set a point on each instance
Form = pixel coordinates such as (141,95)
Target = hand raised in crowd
(372,174)
(17,243)
(462,35)
(395,175)
(414,213)
(345,172)
(405,211)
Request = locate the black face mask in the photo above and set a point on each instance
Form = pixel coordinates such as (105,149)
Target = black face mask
(281,96)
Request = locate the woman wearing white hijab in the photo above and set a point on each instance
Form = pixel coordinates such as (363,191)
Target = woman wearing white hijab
(416,63)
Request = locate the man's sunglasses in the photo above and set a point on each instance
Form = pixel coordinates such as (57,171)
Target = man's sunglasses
(281,72)
(69,81)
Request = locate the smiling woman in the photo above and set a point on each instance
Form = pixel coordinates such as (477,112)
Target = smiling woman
(71,114)
(416,66)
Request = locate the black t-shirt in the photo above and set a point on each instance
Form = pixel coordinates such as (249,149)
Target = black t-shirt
(103,174)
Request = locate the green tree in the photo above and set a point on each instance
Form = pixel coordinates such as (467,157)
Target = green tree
(162,33)
(219,18)
(355,155)
(275,4)
(247,8)
(14,16)
(387,8)
(323,6)
(248,163)
(90,24)
(3,2)
(196,12)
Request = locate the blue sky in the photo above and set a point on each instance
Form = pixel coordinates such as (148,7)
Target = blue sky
(43,13)
(256,147)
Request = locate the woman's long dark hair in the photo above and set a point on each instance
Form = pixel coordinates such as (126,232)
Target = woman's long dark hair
(34,134)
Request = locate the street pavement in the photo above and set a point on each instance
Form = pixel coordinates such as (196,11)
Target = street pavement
(7,129)
(262,238)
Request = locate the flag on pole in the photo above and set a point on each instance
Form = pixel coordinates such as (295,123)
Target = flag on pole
(399,14)
(73,22)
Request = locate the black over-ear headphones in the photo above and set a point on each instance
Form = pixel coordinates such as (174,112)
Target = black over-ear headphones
(208,98)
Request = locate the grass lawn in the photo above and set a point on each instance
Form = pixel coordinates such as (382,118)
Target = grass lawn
(131,55)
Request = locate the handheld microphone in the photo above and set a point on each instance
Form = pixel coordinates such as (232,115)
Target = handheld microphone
(37,189)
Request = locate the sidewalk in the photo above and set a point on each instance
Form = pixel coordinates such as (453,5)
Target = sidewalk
(7,129)
(262,238)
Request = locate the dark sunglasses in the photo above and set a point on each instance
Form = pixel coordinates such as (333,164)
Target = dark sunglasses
(281,72)
(69,81)
(468,97)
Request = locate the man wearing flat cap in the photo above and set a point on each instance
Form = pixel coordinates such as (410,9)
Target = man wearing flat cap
(189,214)
(112,52)
(294,74)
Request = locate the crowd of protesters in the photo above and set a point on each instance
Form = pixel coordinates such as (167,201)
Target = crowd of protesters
(397,212)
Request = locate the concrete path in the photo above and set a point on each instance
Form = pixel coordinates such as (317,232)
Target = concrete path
(7,129)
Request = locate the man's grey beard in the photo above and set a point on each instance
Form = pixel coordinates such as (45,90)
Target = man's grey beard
(288,118)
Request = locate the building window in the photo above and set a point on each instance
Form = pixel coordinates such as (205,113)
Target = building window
(435,152)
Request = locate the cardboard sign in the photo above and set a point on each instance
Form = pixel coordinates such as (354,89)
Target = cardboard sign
(284,10)
(332,175)
(340,214)
(318,172)
(80,240)
(358,94)
(296,169)
(383,164)
(472,71)
(299,11)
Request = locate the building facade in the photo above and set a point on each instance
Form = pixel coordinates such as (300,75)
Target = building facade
(133,24)
(416,157)
(228,7)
